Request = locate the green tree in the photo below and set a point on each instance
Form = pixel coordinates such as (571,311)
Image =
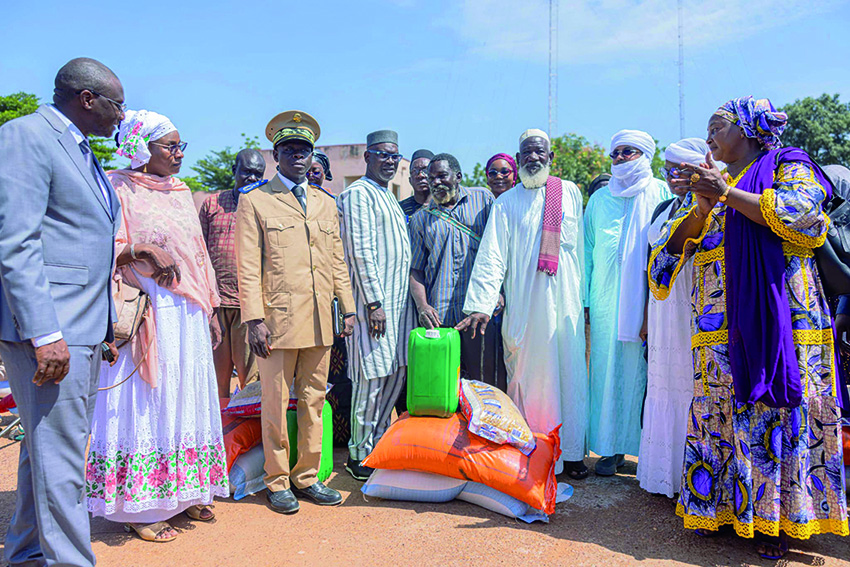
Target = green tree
(214,171)
(821,127)
(579,160)
(20,104)
(478,178)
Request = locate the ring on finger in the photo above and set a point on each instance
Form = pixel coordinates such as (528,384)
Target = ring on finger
(694,178)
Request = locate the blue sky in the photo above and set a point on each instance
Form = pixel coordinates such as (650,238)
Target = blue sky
(463,76)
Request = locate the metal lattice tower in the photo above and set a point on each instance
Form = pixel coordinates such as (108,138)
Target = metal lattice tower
(553,68)
(681,74)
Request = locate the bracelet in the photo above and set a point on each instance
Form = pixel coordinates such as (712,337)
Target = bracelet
(373,306)
(133,252)
(722,198)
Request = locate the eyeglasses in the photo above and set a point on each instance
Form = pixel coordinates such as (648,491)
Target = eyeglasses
(172,148)
(119,105)
(625,152)
(385,155)
(672,172)
(504,172)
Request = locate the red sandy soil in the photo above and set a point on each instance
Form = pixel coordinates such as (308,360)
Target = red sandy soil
(609,521)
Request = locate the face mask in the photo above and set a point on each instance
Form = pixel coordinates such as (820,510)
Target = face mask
(631,171)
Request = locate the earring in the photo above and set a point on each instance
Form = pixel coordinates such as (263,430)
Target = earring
(145,168)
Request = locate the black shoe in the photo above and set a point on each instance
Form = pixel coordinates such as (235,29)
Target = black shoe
(283,501)
(358,471)
(319,494)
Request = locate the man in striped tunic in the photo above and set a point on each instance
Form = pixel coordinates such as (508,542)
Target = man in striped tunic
(377,249)
(444,238)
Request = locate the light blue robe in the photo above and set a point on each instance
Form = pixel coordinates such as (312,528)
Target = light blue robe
(617,368)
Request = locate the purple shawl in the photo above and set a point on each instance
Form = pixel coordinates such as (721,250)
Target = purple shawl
(761,345)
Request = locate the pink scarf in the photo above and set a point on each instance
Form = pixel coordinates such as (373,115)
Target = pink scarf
(550,238)
(159,210)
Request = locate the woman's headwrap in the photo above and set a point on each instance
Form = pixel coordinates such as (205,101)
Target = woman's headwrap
(322,159)
(598,183)
(689,150)
(840,177)
(507,158)
(758,118)
(137,129)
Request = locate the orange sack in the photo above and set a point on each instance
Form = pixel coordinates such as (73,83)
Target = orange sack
(240,434)
(445,446)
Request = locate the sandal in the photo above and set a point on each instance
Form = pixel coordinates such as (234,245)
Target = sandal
(151,532)
(576,470)
(771,547)
(198,513)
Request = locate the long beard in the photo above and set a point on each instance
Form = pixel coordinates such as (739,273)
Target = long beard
(536,180)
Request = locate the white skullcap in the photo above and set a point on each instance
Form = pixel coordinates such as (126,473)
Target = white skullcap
(689,150)
(533,133)
(137,129)
(635,139)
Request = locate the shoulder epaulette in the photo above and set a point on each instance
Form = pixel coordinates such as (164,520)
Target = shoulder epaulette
(323,190)
(252,186)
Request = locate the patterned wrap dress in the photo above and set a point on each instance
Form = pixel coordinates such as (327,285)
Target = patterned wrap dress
(751,466)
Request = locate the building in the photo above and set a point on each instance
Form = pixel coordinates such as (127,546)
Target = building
(347,166)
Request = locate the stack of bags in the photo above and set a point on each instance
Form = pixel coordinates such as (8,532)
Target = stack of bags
(486,454)
(243,440)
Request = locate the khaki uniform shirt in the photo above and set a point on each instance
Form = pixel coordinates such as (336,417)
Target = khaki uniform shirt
(290,265)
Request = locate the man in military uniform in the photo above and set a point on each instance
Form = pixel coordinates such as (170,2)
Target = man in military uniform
(290,267)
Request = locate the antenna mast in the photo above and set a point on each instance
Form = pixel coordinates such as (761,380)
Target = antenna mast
(681,75)
(553,68)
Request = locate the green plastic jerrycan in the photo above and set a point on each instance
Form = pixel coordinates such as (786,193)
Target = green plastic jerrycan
(433,372)
(326,462)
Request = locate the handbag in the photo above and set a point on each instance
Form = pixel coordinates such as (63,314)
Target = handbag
(131,305)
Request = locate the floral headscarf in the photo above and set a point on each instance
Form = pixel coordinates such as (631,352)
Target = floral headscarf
(758,118)
(137,129)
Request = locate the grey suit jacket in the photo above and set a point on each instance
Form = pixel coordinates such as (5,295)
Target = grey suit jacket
(57,236)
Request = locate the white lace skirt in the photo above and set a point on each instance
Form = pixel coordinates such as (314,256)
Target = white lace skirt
(156,451)
(669,390)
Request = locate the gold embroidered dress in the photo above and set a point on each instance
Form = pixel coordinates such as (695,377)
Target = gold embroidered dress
(750,465)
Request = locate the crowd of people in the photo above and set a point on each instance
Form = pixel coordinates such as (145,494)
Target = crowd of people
(680,319)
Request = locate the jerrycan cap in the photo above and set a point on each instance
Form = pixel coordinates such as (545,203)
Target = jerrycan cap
(432,334)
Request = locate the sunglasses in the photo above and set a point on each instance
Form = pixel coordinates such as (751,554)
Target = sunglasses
(672,172)
(625,152)
(172,148)
(504,172)
(385,155)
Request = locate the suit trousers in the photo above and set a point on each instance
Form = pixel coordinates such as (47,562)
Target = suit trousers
(483,358)
(372,403)
(307,369)
(50,524)
(233,352)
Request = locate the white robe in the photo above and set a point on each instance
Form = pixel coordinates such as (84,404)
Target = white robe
(543,328)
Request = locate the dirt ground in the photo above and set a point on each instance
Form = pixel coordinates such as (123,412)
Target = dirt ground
(609,521)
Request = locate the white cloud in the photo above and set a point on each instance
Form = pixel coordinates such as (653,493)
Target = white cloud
(590,30)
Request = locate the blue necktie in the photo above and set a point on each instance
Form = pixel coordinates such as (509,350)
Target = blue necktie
(91,160)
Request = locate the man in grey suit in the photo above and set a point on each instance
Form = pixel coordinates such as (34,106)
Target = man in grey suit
(58,218)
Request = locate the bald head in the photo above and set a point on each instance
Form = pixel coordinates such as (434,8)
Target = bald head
(84,73)
(249,167)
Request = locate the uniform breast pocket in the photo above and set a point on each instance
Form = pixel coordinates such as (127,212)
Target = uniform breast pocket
(569,232)
(280,231)
(326,232)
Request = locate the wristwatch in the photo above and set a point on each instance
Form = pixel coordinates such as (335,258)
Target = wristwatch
(374,306)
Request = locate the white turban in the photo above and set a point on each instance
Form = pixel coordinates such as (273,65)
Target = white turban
(635,139)
(137,129)
(689,150)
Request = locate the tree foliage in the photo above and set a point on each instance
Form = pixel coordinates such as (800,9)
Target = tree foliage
(821,127)
(20,104)
(214,171)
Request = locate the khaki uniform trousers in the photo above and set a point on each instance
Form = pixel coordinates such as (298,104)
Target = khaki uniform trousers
(307,368)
